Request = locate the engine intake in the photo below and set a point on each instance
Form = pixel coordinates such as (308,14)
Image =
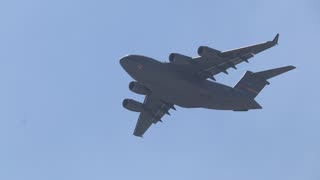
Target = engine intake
(132,105)
(206,51)
(176,58)
(138,88)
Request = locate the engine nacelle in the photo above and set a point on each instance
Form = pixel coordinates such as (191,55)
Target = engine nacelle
(176,58)
(132,105)
(209,52)
(138,88)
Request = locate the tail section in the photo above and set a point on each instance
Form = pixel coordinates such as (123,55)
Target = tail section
(252,83)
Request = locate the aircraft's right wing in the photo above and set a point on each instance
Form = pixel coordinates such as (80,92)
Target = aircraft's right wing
(155,109)
(213,61)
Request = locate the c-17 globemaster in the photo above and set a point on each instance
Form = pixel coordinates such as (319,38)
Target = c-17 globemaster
(184,82)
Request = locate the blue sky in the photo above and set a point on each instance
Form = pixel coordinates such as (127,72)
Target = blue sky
(62,87)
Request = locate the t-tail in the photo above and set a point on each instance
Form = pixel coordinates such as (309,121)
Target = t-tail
(251,83)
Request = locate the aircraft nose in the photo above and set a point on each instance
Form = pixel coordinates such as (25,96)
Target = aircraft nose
(132,63)
(124,61)
(128,62)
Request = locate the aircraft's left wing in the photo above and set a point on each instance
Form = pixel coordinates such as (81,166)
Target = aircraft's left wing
(155,109)
(213,61)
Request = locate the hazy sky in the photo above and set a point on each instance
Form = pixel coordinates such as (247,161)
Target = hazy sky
(62,87)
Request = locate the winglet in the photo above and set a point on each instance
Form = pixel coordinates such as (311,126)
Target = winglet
(275,39)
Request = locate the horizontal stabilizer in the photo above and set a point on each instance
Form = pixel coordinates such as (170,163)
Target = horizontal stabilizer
(273,72)
(252,83)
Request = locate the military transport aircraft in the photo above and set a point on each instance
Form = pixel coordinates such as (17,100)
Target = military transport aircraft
(184,82)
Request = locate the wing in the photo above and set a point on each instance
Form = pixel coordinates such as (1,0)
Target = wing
(212,61)
(155,109)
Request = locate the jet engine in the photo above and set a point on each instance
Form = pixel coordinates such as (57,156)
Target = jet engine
(138,88)
(176,58)
(132,105)
(209,52)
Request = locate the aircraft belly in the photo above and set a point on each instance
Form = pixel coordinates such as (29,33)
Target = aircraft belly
(190,95)
(171,88)
(181,94)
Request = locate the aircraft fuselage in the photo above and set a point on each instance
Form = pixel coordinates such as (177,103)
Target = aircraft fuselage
(171,83)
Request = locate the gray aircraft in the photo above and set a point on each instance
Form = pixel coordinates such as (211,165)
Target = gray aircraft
(189,82)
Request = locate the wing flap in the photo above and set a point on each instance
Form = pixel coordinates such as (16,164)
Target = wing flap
(222,67)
